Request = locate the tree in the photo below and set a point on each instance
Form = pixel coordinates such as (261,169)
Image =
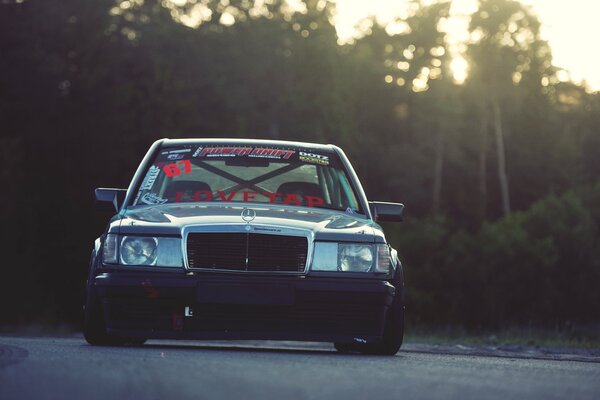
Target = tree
(504,34)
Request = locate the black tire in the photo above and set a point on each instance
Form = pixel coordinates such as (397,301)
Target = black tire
(393,333)
(94,327)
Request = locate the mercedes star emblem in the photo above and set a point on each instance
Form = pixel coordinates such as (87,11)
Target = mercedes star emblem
(248,215)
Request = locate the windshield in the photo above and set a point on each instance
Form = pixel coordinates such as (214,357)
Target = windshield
(247,174)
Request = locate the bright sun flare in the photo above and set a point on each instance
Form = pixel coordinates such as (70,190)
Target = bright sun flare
(563,26)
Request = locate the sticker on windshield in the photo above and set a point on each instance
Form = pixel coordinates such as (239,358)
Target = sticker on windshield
(224,151)
(152,199)
(176,151)
(175,156)
(197,152)
(174,169)
(313,158)
(254,152)
(249,196)
(276,154)
(150,178)
(137,197)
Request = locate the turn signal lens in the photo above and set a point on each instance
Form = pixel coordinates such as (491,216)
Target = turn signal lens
(384,260)
(109,249)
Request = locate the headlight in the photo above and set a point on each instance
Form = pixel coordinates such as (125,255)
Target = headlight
(142,250)
(351,257)
(355,257)
(138,250)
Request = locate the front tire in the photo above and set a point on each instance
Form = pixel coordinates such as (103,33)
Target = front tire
(393,332)
(94,326)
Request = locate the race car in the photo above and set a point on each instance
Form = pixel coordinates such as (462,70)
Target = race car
(235,239)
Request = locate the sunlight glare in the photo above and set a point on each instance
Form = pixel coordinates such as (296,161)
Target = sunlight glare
(568,27)
(459,67)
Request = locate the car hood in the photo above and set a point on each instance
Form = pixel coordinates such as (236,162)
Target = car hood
(170,219)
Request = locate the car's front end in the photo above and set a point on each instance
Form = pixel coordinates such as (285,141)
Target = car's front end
(216,245)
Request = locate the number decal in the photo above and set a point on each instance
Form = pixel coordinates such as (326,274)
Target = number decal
(172,170)
(187,165)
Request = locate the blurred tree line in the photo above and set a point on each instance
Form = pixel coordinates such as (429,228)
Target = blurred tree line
(499,171)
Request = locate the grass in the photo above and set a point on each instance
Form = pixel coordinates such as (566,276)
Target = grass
(582,337)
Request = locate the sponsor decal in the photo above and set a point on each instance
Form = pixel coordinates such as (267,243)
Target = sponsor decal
(137,197)
(152,199)
(150,178)
(277,154)
(313,158)
(224,151)
(176,156)
(197,152)
(233,151)
(174,169)
(176,151)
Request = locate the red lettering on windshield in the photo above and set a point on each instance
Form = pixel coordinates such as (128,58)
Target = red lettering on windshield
(207,195)
(313,201)
(292,198)
(272,196)
(179,197)
(222,196)
(249,196)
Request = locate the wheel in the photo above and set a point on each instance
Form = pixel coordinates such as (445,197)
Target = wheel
(94,327)
(393,333)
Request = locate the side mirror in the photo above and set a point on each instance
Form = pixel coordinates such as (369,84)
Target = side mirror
(386,212)
(109,199)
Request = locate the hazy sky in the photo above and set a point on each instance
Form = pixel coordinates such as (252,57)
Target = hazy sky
(569,26)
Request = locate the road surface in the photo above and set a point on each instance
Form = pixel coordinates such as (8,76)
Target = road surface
(68,368)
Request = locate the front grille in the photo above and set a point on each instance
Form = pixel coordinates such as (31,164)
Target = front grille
(247,252)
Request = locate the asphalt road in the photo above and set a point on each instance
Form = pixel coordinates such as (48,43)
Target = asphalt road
(67,368)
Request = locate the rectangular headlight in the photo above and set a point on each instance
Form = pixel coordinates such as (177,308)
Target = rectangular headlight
(169,252)
(351,257)
(142,250)
(325,257)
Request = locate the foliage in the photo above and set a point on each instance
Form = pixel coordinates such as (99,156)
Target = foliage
(539,266)
(88,85)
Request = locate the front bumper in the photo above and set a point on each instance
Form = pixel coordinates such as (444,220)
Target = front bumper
(209,306)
